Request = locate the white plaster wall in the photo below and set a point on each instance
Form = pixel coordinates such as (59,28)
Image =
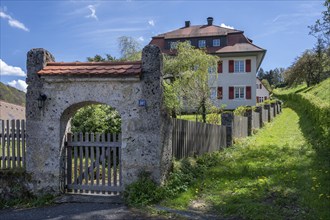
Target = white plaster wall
(226,79)
(263,91)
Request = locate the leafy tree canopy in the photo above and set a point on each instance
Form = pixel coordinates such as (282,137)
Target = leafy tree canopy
(189,73)
(97,119)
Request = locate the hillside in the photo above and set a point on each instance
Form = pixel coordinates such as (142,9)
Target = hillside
(11,95)
(320,92)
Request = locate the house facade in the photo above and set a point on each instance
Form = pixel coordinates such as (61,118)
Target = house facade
(233,82)
(262,92)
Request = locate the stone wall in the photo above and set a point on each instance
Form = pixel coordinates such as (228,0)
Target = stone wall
(14,185)
(146,140)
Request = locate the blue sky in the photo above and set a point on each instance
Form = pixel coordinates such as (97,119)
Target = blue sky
(74,30)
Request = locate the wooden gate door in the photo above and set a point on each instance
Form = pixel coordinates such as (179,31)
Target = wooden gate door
(93,164)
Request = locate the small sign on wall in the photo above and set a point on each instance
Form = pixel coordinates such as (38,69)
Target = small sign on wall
(142,103)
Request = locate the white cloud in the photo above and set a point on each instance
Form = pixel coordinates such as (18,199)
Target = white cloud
(13,22)
(8,70)
(141,38)
(226,26)
(93,12)
(19,84)
(151,22)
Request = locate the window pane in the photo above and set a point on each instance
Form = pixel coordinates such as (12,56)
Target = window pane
(201,43)
(216,42)
(239,66)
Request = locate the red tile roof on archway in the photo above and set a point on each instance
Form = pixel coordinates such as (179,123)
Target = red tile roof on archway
(116,69)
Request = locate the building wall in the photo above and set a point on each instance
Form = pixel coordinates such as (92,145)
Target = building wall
(263,92)
(226,79)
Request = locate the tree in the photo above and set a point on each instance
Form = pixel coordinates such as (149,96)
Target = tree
(261,74)
(96,118)
(321,28)
(189,75)
(274,77)
(305,68)
(99,58)
(129,48)
(266,84)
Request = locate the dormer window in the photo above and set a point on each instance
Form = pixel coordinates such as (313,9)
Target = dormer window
(216,42)
(202,43)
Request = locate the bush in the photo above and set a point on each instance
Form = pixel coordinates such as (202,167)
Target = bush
(142,192)
(185,173)
(240,110)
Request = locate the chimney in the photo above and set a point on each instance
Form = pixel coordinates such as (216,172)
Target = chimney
(187,23)
(209,21)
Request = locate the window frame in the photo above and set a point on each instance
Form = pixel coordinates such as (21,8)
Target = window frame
(216,40)
(239,92)
(241,66)
(199,44)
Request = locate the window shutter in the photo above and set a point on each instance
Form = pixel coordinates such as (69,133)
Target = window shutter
(231,66)
(219,92)
(258,100)
(231,92)
(220,67)
(248,65)
(248,92)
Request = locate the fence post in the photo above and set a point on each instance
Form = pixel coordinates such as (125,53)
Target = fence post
(259,110)
(280,106)
(267,107)
(248,114)
(272,105)
(227,120)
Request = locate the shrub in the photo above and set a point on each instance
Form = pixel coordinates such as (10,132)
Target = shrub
(142,192)
(185,173)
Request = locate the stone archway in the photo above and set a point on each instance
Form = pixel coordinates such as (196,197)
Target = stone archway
(133,88)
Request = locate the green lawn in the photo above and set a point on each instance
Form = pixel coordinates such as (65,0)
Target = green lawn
(282,172)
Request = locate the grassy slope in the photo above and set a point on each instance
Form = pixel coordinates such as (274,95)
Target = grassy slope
(11,95)
(320,91)
(280,173)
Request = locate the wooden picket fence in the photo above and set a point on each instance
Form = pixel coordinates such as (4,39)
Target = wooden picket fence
(93,164)
(191,138)
(12,144)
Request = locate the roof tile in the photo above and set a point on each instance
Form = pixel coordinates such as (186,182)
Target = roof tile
(93,68)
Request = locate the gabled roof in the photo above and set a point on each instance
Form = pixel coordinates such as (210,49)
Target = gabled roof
(197,31)
(239,47)
(115,69)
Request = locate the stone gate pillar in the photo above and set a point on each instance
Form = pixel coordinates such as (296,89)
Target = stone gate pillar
(227,119)
(149,146)
(36,152)
(248,114)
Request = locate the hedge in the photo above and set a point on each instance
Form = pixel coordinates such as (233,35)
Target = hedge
(314,107)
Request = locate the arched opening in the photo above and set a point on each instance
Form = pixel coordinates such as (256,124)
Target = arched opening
(90,149)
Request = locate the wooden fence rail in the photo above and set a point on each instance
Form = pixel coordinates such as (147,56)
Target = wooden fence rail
(195,138)
(12,144)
